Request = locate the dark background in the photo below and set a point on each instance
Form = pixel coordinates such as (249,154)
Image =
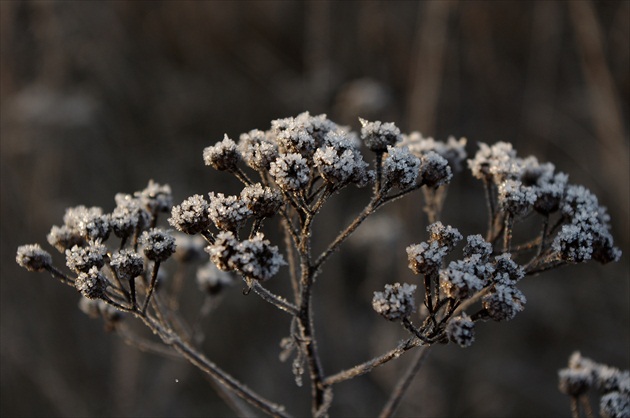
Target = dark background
(100,97)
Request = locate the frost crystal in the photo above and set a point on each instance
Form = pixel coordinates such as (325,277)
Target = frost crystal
(191,216)
(227,212)
(400,168)
(396,302)
(223,155)
(339,162)
(495,162)
(454,150)
(290,172)
(459,280)
(506,270)
(33,258)
(293,137)
(615,405)
(62,238)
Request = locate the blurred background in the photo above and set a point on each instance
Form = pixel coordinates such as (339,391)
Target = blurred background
(99,97)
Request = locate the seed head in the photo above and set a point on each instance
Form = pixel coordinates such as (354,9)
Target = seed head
(33,258)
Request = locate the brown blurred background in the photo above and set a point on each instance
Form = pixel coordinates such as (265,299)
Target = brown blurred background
(100,97)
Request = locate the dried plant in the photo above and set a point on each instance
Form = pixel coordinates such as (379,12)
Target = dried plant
(289,172)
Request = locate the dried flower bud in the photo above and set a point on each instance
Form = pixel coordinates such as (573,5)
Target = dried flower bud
(63,238)
(446,236)
(158,244)
(459,280)
(615,405)
(191,216)
(81,259)
(257,259)
(396,302)
(477,245)
(90,223)
(129,215)
(400,168)
(426,257)
(515,198)
(506,270)
(92,284)
(33,258)
(290,172)
(211,280)
(227,212)
(127,264)
(461,330)
(495,162)
(257,150)
(293,136)
(574,382)
(434,170)
(222,250)
(378,135)
(156,197)
(504,302)
(223,155)
(262,202)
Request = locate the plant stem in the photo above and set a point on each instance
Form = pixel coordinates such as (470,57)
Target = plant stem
(403,384)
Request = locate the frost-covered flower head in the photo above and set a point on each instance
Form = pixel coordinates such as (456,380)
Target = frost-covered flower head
(461,330)
(191,216)
(378,135)
(33,258)
(460,281)
(395,302)
(434,170)
(256,259)
(223,155)
(127,264)
(158,244)
(504,302)
(129,215)
(257,149)
(338,161)
(615,405)
(63,237)
(445,235)
(89,223)
(227,212)
(550,192)
(261,201)
(80,259)
(290,172)
(211,280)
(515,198)
(400,168)
(156,197)
(475,244)
(496,162)
(574,382)
(293,136)
(426,257)
(91,284)
(222,250)
(506,271)
(453,150)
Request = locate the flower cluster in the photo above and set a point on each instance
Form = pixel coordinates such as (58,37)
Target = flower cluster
(612,385)
(395,302)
